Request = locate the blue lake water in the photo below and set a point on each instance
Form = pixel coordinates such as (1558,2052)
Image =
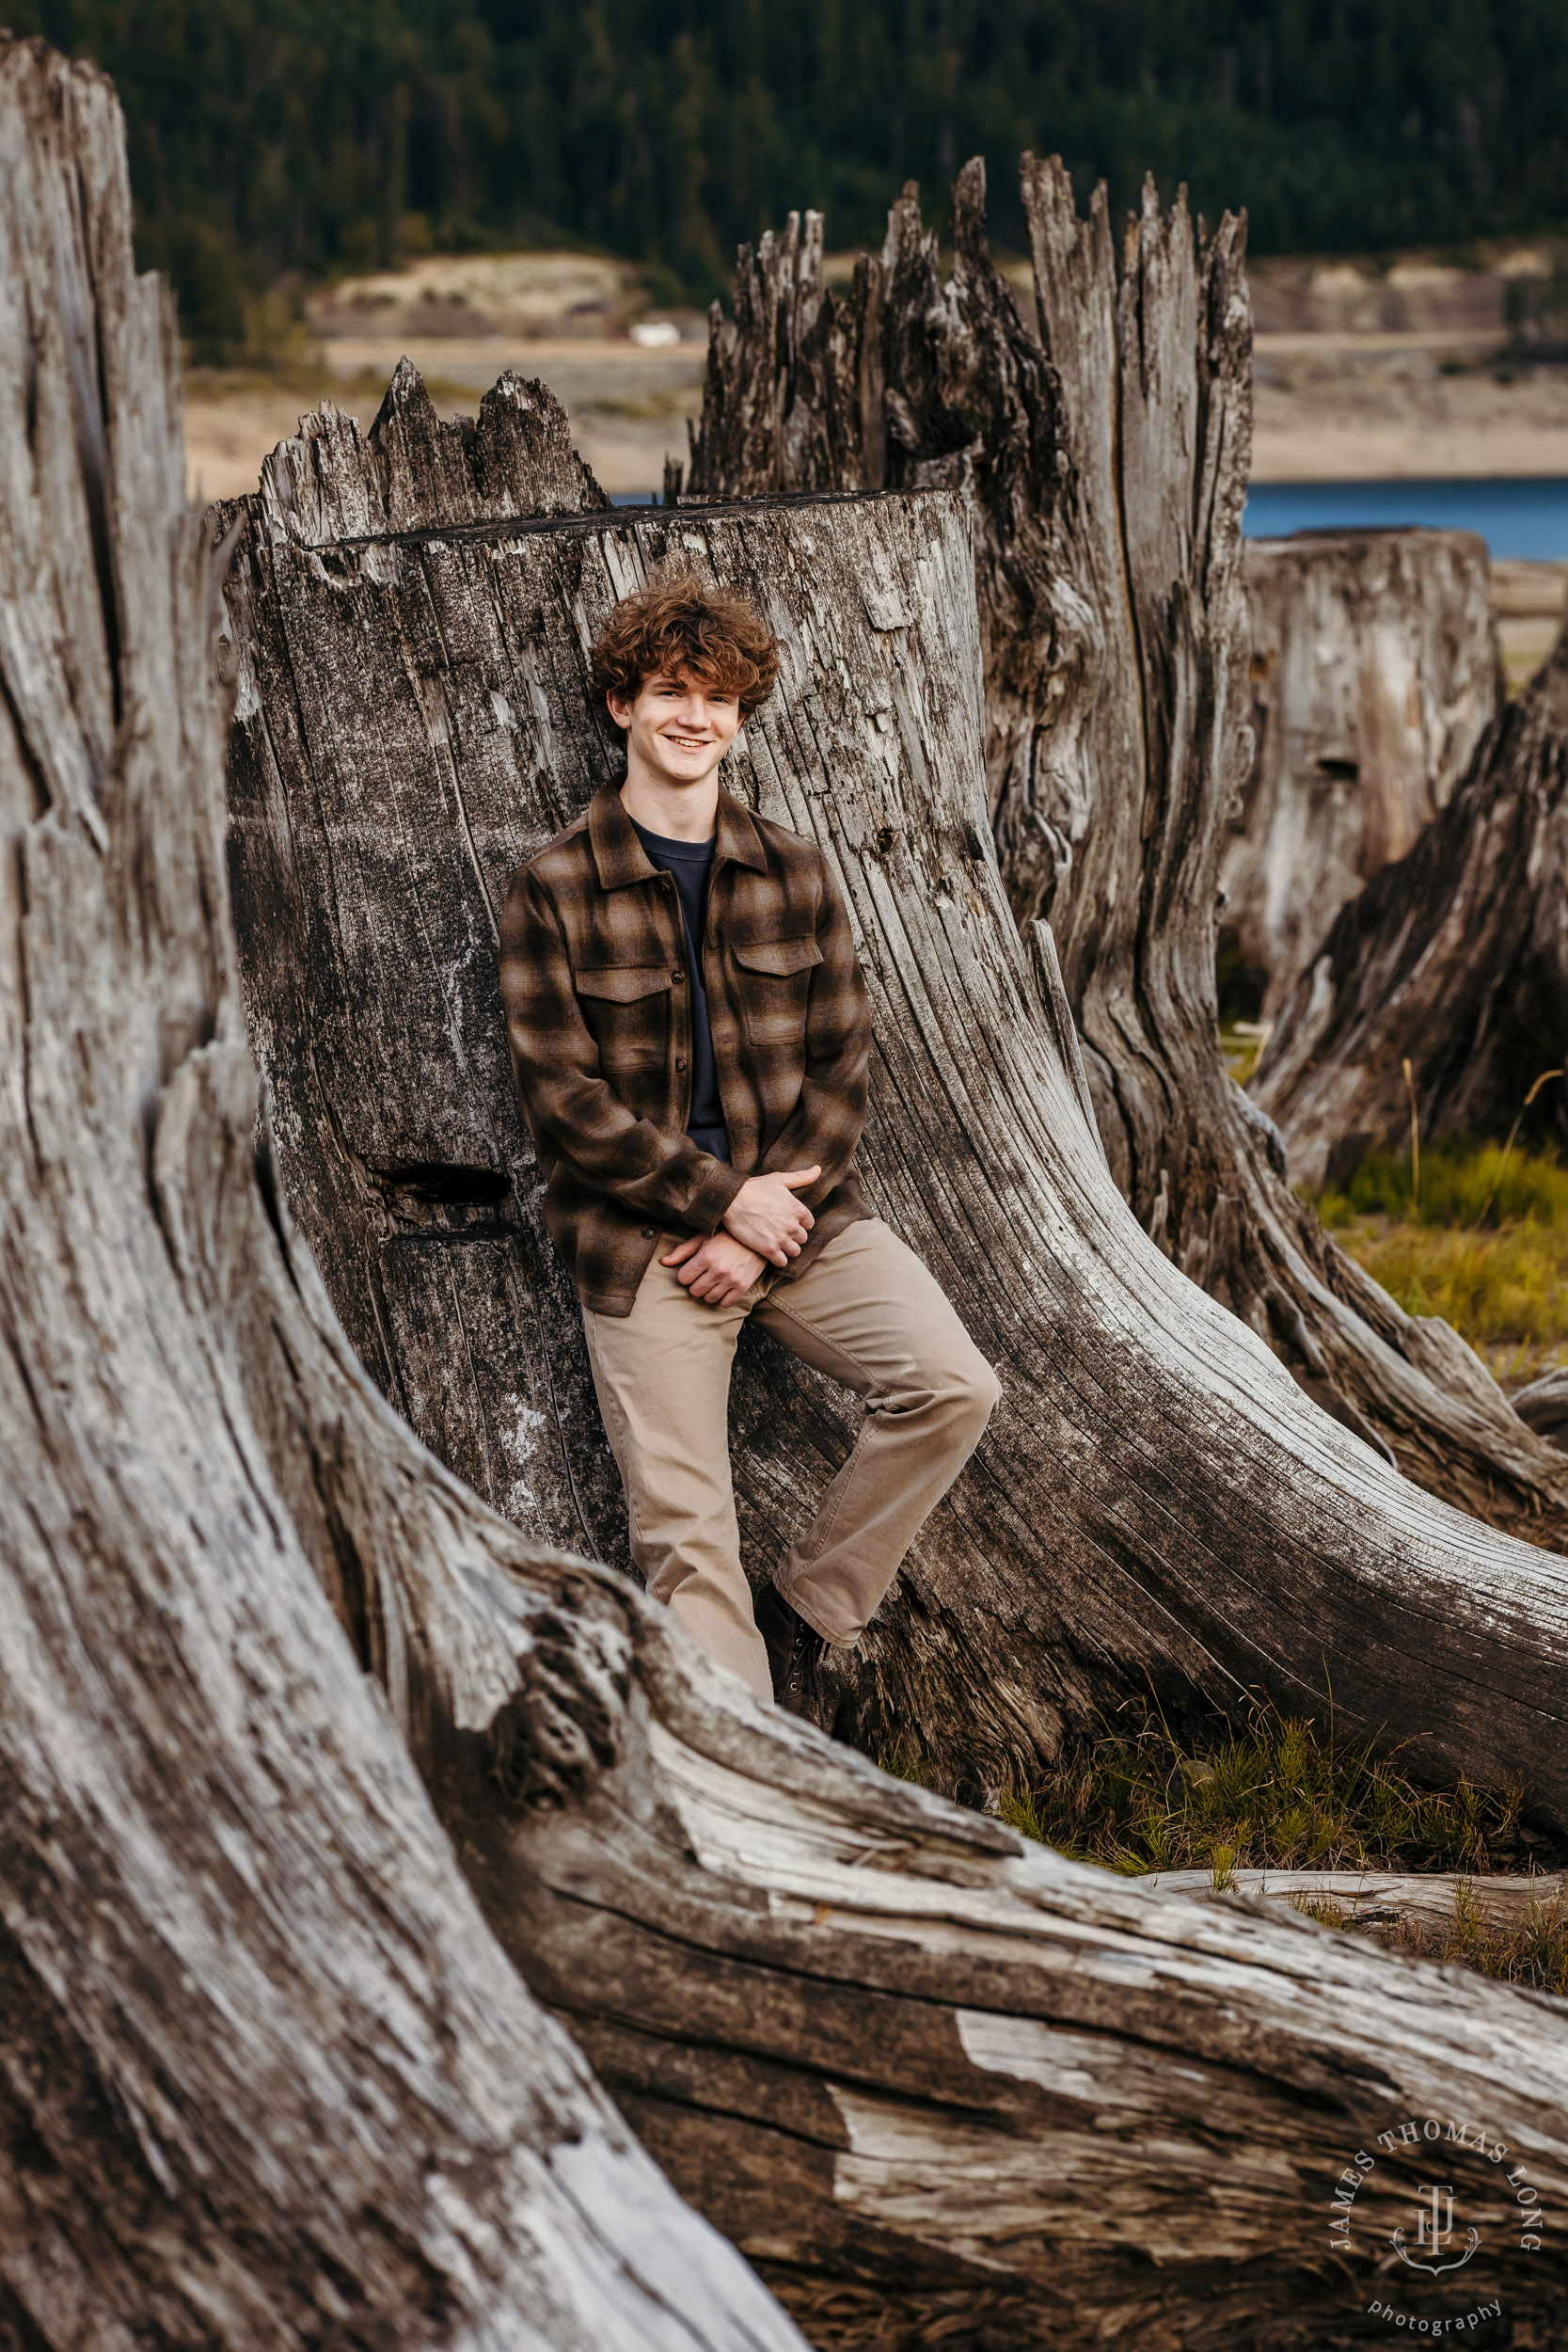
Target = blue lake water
(1515,517)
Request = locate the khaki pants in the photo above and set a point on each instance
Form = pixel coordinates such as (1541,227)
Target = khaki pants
(867,1312)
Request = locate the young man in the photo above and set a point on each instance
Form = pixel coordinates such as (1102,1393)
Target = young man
(690,1036)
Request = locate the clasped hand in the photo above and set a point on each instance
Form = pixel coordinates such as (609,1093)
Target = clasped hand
(767,1226)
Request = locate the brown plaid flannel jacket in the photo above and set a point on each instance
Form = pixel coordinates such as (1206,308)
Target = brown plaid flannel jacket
(598,996)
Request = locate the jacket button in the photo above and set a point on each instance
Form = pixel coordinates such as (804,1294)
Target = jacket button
(680,1061)
(677,977)
(647,1232)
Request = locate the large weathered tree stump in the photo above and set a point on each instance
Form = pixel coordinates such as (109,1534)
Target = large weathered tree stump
(1454,960)
(265,2078)
(414,718)
(1374,674)
(1104,463)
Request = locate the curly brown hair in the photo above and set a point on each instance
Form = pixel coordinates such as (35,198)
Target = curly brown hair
(688,628)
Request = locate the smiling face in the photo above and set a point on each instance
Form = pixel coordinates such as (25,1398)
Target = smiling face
(678,728)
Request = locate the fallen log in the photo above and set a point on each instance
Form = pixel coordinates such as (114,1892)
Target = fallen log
(264,2076)
(1374,674)
(1453,961)
(1105,462)
(1544,1404)
(1428,1901)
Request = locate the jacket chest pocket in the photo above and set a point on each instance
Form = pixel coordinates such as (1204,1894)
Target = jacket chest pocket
(627,1006)
(775,983)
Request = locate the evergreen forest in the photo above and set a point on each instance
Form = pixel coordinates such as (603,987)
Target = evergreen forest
(275,141)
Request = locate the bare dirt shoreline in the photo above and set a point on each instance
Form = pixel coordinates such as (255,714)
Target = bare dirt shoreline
(1329,407)
(1340,408)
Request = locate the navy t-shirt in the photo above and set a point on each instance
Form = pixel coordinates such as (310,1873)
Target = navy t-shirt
(692,863)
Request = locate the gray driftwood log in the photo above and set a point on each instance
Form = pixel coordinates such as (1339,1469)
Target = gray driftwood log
(1426,1902)
(1455,958)
(1105,461)
(1374,674)
(265,2078)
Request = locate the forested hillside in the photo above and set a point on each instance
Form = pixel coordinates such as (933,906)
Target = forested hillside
(270,136)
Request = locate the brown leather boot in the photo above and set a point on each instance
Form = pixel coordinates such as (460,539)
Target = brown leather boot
(794,1656)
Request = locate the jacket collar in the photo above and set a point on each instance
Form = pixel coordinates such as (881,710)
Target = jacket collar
(620,857)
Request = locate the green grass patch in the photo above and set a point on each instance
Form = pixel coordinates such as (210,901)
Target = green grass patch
(1282,1795)
(1242,1043)
(1535,1952)
(1288,1793)
(1480,1185)
(1486,1247)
